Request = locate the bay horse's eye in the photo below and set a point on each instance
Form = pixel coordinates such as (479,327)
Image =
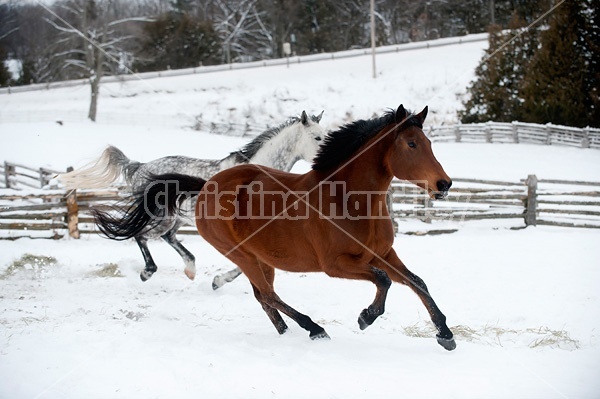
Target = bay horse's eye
(412,144)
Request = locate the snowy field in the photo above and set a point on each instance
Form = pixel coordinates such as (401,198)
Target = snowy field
(76,321)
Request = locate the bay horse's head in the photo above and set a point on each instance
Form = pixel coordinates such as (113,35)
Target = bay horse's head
(412,158)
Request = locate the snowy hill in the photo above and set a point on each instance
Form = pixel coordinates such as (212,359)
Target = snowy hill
(436,76)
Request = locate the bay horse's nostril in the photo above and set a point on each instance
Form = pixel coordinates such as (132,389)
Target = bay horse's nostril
(444,185)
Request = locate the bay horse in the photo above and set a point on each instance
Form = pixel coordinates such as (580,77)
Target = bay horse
(332,219)
(279,147)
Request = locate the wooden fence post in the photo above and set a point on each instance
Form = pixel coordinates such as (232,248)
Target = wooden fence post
(531,204)
(585,141)
(389,202)
(488,133)
(72,212)
(42,178)
(515,132)
(457,133)
(427,210)
(8,170)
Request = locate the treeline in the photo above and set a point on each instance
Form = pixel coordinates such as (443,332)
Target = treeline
(547,73)
(50,41)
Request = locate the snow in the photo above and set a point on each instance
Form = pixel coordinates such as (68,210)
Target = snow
(14,67)
(523,303)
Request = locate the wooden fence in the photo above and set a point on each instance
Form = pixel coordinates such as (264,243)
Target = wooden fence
(19,176)
(535,201)
(532,201)
(517,132)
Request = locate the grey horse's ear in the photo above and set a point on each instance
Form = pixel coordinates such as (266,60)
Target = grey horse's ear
(400,114)
(318,118)
(304,118)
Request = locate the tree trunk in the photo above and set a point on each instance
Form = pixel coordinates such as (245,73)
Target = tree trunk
(95,84)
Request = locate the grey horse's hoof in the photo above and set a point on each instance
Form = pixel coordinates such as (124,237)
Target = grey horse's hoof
(145,275)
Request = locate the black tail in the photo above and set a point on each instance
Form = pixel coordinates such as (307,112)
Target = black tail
(161,197)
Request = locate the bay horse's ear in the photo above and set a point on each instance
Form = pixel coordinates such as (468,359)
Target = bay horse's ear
(304,118)
(422,115)
(318,118)
(400,114)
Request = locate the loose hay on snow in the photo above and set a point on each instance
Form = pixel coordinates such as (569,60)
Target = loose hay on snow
(108,270)
(34,266)
(539,337)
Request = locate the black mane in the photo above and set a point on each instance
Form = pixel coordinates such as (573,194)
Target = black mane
(246,153)
(342,143)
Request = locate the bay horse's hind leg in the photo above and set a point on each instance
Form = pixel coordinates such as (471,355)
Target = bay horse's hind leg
(261,277)
(189,259)
(273,314)
(150,267)
(271,299)
(315,330)
(398,272)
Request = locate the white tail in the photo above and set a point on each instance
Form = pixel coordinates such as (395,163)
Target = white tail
(100,174)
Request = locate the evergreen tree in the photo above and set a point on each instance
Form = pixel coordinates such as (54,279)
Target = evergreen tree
(5,78)
(495,95)
(561,84)
(178,41)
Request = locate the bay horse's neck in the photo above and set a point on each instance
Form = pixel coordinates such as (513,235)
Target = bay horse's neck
(368,168)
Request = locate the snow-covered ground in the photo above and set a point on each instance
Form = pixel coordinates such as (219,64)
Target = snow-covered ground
(523,304)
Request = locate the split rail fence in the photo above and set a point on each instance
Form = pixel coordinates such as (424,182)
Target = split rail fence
(44,212)
(517,132)
(56,213)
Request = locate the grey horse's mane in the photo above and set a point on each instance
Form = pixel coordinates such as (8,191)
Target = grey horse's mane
(246,153)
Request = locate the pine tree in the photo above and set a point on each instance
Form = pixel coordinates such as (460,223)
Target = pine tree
(561,84)
(5,78)
(178,41)
(495,95)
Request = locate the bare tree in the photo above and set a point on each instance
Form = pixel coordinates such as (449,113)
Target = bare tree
(93,39)
(242,28)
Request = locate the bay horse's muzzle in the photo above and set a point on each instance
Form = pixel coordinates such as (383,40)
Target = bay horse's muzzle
(443,186)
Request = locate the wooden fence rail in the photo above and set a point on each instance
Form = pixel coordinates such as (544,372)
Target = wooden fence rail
(18,176)
(56,213)
(517,132)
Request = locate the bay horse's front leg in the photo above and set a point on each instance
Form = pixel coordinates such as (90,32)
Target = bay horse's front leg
(346,267)
(376,309)
(397,271)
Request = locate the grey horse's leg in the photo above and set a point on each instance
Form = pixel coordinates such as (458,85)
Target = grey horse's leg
(225,278)
(150,267)
(189,259)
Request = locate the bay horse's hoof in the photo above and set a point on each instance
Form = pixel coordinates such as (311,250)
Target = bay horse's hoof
(145,275)
(365,319)
(319,335)
(448,344)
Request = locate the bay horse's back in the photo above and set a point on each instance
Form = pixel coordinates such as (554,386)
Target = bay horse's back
(236,205)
